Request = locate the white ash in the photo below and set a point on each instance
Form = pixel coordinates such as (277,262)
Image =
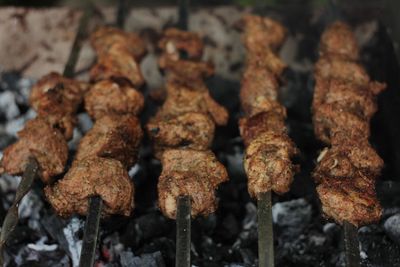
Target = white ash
(8,105)
(24,85)
(74,243)
(235,160)
(30,207)
(85,123)
(392,227)
(295,213)
(250,220)
(317,240)
(8,186)
(363,255)
(74,142)
(41,246)
(328,227)
(134,170)
(12,127)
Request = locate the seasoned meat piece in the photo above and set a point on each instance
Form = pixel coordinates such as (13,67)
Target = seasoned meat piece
(57,99)
(265,58)
(339,40)
(352,199)
(203,164)
(260,123)
(190,130)
(182,100)
(112,136)
(174,41)
(93,176)
(104,37)
(173,184)
(335,68)
(259,90)
(40,140)
(260,31)
(351,97)
(188,73)
(108,97)
(267,163)
(117,63)
(192,173)
(329,119)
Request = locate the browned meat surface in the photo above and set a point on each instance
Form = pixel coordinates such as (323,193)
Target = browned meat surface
(259,91)
(329,119)
(117,63)
(187,73)
(93,176)
(40,140)
(352,199)
(190,130)
(261,32)
(339,40)
(57,99)
(341,69)
(174,41)
(109,97)
(265,58)
(267,163)
(105,37)
(112,136)
(251,127)
(182,100)
(193,173)
(344,102)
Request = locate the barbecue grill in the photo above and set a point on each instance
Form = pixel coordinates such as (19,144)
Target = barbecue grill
(302,237)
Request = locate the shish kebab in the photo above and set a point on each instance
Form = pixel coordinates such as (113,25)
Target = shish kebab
(268,153)
(182,131)
(344,102)
(111,147)
(42,151)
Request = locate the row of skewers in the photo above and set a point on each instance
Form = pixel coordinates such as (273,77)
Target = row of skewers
(183,128)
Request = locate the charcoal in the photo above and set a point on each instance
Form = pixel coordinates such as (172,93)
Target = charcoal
(392,227)
(293,215)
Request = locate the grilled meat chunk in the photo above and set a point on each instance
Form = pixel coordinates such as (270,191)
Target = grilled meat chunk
(175,41)
(40,140)
(93,176)
(181,99)
(265,58)
(57,99)
(187,73)
(339,40)
(352,199)
(105,37)
(112,136)
(267,163)
(117,63)
(329,119)
(192,173)
(261,32)
(108,97)
(190,130)
(251,127)
(341,69)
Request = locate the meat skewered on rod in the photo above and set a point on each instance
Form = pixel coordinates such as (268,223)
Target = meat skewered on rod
(42,150)
(182,132)
(98,181)
(344,102)
(269,150)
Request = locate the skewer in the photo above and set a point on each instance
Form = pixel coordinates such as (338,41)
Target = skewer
(265,230)
(183,232)
(32,167)
(183,222)
(92,223)
(351,245)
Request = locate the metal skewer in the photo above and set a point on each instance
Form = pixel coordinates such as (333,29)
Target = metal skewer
(183,216)
(265,230)
(351,245)
(32,167)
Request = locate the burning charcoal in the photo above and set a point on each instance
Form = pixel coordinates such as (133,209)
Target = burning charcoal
(392,227)
(294,214)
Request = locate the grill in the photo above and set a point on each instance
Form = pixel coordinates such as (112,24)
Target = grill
(229,237)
